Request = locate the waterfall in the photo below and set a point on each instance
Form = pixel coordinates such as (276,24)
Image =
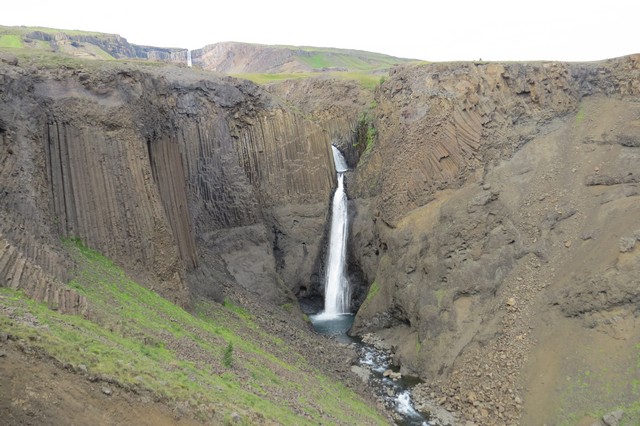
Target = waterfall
(337,294)
(189,58)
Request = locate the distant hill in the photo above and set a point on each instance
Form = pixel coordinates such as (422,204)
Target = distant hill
(257,62)
(246,58)
(85,44)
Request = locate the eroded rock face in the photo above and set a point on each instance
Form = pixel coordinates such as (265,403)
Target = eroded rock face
(179,177)
(83,45)
(482,212)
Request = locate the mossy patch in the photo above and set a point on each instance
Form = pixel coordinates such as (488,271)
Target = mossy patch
(580,115)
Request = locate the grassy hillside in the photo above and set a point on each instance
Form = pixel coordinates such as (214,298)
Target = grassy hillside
(39,39)
(218,360)
(272,63)
(366,80)
(352,60)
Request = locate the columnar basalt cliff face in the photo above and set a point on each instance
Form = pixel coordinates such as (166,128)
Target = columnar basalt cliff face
(168,173)
(338,106)
(482,219)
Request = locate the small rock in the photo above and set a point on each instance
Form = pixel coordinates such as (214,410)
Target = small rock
(9,59)
(518,400)
(361,372)
(82,368)
(627,244)
(471,397)
(235,417)
(106,390)
(567,243)
(3,354)
(387,373)
(511,301)
(613,418)
(390,392)
(486,186)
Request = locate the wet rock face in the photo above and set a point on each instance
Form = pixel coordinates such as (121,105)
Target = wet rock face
(159,170)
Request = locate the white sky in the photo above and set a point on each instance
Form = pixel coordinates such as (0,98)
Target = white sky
(570,30)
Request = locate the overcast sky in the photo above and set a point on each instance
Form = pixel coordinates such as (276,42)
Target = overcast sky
(570,30)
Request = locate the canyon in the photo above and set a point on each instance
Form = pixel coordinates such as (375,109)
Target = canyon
(494,211)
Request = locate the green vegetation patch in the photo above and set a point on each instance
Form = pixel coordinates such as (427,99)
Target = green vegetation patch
(366,80)
(11,41)
(271,78)
(580,115)
(218,359)
(374,289)
(317,61)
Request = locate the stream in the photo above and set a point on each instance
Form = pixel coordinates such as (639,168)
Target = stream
(394,391)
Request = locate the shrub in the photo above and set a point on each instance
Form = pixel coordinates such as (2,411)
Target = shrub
(227,359)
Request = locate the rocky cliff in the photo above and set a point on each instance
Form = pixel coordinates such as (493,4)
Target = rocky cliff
(90,45)
(497,217)
(186,180)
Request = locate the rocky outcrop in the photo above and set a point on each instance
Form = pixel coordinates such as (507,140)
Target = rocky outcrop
(232,57)
(182,179)
(100,46)
(496,197)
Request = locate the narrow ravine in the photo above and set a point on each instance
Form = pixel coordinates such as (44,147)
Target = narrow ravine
(336,319)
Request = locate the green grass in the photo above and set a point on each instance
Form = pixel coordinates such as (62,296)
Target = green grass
(271,78)
(218,359)
(316,61)
(374,289)
(10,41)
(580,115)
(366,80)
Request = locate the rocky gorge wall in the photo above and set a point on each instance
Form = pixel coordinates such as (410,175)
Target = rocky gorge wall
(180,177)
(476,219)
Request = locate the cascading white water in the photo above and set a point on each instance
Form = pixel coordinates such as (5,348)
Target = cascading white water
(337,295)
(189,58)
(339,161)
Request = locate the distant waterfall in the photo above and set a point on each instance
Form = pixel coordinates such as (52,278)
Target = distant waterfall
(189,58)
(337,293)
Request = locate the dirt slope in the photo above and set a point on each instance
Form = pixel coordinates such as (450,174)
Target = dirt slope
(36,392)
